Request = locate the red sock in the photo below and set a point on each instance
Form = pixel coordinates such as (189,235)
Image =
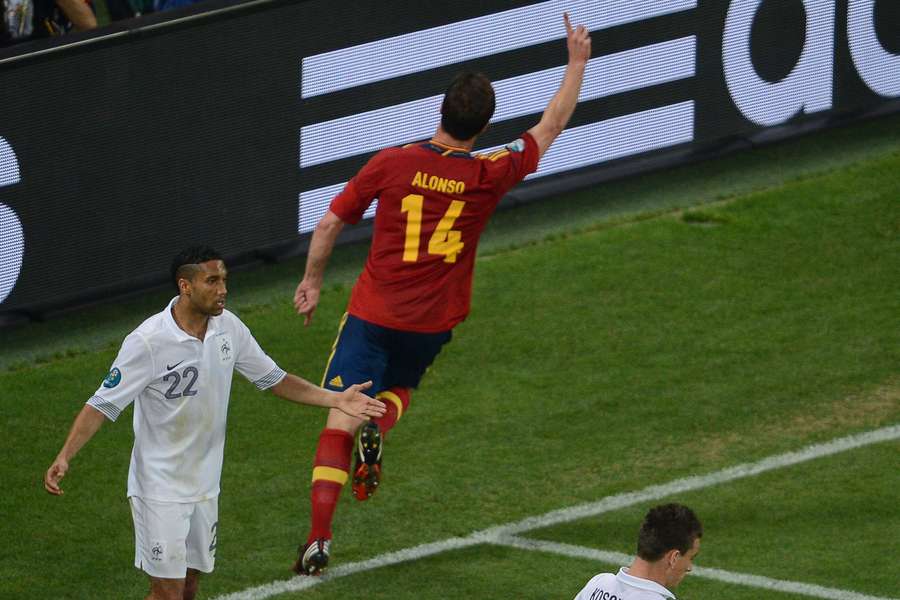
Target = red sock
(331,469)
(397,401)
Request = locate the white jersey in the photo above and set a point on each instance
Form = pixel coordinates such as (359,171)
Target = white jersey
(180,388)
(622,586)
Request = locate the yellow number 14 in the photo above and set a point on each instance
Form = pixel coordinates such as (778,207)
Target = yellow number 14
(445,241)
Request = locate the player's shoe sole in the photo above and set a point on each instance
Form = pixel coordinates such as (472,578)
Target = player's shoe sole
(312,558)
(367,472)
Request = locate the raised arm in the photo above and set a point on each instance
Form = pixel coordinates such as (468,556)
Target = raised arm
(351,401)
(562,105)
(306,298)
(83,429)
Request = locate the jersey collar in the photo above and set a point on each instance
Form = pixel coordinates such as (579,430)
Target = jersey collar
(641,583)
(445,150)
(177,331)
(212,327)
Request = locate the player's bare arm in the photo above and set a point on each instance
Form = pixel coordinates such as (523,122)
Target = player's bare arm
(83,429)
(306,298)
(351,401)
(562,105)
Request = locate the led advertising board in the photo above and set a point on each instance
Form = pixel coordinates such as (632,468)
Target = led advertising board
(236,127)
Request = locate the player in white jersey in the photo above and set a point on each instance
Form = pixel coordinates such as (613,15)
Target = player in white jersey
(176,367)
(668,542)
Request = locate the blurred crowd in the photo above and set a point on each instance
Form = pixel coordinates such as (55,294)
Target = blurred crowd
(25,20)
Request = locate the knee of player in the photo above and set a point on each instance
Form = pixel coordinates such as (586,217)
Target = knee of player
(339,420)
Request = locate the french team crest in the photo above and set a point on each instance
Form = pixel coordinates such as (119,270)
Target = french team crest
(226,348)
(158,551)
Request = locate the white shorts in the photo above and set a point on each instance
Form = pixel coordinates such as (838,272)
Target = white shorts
(172,537)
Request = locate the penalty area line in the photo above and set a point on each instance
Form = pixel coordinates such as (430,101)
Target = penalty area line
(503,533)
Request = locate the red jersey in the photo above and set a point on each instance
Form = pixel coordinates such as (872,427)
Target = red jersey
(433,203)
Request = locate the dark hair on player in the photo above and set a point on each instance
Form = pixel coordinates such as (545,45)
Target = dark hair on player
(668,527)
(184,263)
(468,105)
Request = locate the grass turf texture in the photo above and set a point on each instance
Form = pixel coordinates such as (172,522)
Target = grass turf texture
(611,356)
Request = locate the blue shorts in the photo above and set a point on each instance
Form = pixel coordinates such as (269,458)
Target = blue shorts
(388,357)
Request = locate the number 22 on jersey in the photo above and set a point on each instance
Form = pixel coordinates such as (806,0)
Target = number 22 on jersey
(445,241)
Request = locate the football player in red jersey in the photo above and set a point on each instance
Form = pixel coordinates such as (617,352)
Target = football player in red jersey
(434,200)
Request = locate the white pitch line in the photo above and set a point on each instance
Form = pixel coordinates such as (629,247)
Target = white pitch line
(617,558)
(794,587)
(502,533)
(687,484)
(299,583)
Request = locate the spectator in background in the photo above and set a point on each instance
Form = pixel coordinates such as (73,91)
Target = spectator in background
(24,20)
(58,17)
(668,543)
(159,5)
(17,22)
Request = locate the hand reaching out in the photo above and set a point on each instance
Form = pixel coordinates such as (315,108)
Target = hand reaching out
(356,404)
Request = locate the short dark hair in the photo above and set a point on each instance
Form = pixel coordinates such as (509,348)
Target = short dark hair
(468,105)
(668,527)
(192,255)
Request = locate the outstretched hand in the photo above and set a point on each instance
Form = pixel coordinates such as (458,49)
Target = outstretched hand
(306,298)
(53,476)
(578,41)
(356,404)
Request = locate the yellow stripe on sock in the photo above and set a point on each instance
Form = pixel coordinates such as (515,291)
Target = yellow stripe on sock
(388,395)
(329,474)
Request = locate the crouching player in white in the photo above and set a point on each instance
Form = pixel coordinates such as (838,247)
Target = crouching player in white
(668,542)
(177,368)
